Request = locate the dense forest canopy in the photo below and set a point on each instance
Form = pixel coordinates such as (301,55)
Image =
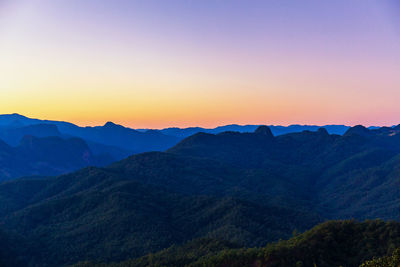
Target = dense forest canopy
(218,200)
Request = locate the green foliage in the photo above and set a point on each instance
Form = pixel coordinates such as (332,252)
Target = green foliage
(333,243)
(386,261)
(179,255)
(105,214)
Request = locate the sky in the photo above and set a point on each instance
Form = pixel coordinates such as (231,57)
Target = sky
(156,64)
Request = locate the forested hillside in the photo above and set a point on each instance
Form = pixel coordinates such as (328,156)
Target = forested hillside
(333,243)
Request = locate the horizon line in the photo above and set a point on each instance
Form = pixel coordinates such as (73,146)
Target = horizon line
(198,126)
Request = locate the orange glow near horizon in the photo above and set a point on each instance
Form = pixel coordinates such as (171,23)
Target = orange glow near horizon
(157,65)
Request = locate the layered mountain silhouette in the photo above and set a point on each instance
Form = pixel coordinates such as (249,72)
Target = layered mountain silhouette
(276,130)
(111,138)
(106,143)
(119,141)
(246,189)
(46,156)
(14,135)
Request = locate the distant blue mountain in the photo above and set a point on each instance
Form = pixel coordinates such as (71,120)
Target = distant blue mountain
(276,130)
(46,156)
(119,141)
(111,138)
(13,134)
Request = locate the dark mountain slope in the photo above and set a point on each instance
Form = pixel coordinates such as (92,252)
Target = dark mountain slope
(128,223)
(341,243)
(178,173)
(354,175)
(256,150)
(333,243)
(364,186)
(20,193)
(201,176)
(244,149)
(175,255)
(105,214)
(114,152)
(45,156)
(13,247)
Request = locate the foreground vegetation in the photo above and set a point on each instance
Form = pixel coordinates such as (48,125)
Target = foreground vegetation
(333,243)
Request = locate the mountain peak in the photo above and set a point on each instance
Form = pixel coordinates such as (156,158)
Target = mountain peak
(264,130)
(16,115)
(323,131)
(359,130)
(110,124)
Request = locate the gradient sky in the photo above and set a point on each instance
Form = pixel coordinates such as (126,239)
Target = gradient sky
(201,62)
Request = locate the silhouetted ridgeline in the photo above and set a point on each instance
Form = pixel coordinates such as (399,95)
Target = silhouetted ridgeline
(106,143)
(14,126)
(129,141)
(276,130)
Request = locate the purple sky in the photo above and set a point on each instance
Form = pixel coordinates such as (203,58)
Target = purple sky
(183,63)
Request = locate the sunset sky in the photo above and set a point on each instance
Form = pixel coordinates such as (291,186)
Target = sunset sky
(163,63)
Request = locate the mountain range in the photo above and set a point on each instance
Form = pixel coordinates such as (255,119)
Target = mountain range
(275,129)
(14,126)
(111,138)
(229,190)
(102,144)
